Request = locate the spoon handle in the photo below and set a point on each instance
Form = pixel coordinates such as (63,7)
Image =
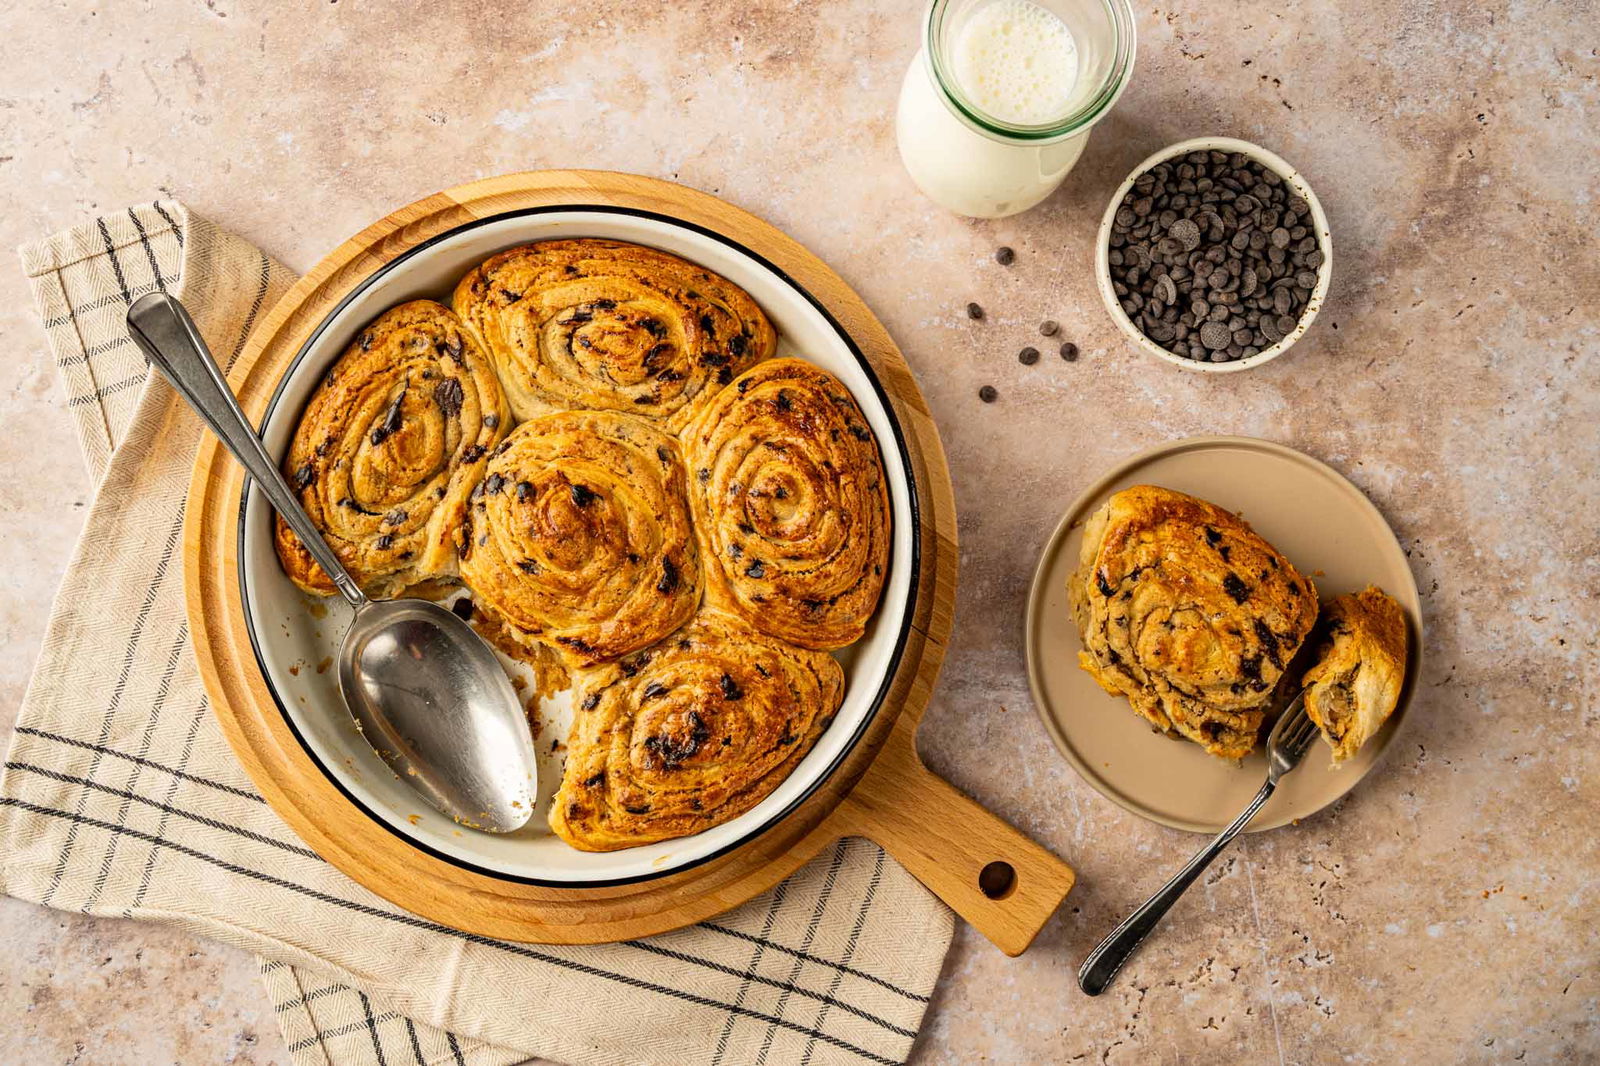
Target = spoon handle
(166,334)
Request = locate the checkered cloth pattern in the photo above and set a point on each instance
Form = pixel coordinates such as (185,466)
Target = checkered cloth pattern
(119,795)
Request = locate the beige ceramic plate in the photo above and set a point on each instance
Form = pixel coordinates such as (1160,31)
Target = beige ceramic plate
(1311,514)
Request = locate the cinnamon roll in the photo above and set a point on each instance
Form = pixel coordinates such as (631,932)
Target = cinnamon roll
(790,504)
(677,738)
(389,447)
(1188,613)
(578,536)
(1355,685)
(605,325)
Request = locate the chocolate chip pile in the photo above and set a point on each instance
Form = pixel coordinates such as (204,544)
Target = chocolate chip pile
(1213,256)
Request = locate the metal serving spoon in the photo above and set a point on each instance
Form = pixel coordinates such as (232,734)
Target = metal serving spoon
(1286,746)
(428,693)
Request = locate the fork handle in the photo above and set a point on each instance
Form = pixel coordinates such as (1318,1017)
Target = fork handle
(1104,961)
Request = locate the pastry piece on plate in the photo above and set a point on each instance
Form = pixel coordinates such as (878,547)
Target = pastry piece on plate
(606,325)
(790,504)
(1188,613)
(1355,684)
(389,447)
(688,734)
(578,536)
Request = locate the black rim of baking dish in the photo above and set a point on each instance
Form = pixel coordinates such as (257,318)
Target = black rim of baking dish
(897,653)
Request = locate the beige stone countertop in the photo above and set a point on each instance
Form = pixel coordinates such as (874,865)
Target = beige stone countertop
(1445,912)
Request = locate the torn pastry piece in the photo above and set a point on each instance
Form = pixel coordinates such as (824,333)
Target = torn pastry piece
(1187,613)
(387,450)
(685,735)
(1355,685)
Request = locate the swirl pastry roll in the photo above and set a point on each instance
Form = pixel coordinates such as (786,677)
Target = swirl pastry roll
(790,504)
(604,325)
(578,536)
(389,447)
(1188,613)
(690,733)
(1355,685)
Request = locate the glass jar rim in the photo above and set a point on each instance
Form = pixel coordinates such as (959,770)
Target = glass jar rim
(1120,13)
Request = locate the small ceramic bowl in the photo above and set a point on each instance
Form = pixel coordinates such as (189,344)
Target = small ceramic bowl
(1102,266)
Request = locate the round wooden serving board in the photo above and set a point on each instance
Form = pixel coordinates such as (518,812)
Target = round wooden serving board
(882,791)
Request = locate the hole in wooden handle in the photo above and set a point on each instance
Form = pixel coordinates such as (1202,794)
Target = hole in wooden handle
(997,880)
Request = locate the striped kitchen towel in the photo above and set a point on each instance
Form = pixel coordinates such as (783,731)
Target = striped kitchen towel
(119,795)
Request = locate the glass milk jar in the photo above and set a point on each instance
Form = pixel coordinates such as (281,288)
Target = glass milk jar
(997,105)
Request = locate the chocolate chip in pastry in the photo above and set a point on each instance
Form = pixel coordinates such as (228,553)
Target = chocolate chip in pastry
(790,505)
(605,325)
(1355,684)
(1188,613)
(689,734)
(578,536)
(388,448)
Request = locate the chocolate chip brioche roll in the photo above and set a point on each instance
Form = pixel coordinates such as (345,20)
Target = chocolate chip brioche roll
(1188,613)
(389,447)
(578,536)
(605,325)
(790,504)
(690,733)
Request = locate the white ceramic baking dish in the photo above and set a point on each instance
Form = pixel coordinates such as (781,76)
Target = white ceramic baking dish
(295,636)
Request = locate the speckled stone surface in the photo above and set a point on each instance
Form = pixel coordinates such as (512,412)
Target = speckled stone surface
(1445,912)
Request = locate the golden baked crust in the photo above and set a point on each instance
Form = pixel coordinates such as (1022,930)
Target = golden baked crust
(388,448)
(790,504)
(1188,613)
(578,536)
(677,738)
(605,325)
(1356,682)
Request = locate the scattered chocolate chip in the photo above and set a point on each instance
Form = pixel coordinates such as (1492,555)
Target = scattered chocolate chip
(1069,352)
(988,394)
(757,569)
(1236,588)
(1028,356)
(591,701)
(731,689)
(1049,328)
(669,578)
(583,495)
(491,420)
(974,311)
(1004,256)
(472,453)
(304,476)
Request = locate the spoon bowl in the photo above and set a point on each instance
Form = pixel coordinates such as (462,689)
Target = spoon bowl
(426,691)
(414,676)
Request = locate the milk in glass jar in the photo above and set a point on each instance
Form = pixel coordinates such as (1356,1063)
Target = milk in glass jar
(997,105)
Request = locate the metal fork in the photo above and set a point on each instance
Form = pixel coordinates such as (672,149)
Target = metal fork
(1286,746)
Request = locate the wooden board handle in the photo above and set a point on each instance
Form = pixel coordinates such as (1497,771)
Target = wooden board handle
(1002,883)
